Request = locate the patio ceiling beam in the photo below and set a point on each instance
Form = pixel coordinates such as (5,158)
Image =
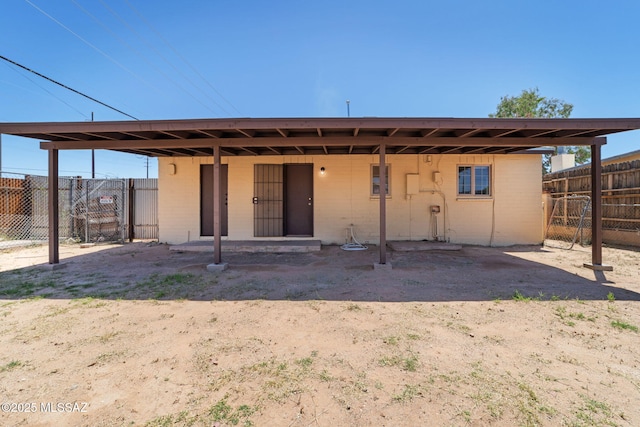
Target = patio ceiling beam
(453,150)
(426,134)
(505,133)
(212,134)
(474,150)
(96,135)
(171,134)
(469,133)
(391,132)
(318,142)
(247,133)
(574,134)
(253,152)
(137,136)
(356,131)
(426,150)
(545,132)
(283,132)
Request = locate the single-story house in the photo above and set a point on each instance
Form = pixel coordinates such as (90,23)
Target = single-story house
(474,181)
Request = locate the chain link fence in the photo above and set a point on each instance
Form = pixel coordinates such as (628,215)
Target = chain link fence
(567,221)
(570,223)
(90,210)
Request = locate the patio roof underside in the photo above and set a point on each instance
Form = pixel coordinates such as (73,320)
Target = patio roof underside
(254,137)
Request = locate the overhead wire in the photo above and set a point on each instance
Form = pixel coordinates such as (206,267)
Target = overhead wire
(166,61)
(136,51)
(45,89)
(67,87)
(194,69)
(106,55)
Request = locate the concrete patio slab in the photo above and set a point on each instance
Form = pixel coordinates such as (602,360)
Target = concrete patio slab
(251,246)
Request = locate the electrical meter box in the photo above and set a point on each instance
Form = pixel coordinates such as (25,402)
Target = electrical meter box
(435,209)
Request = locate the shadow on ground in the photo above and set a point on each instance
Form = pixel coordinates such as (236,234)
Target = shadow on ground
(140,271)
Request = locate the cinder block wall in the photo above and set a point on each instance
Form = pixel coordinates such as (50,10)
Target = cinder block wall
(512,215)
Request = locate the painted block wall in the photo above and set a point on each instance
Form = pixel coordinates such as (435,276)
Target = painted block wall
(512,215)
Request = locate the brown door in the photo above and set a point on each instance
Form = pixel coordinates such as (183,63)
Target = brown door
(206,199)
(298,199)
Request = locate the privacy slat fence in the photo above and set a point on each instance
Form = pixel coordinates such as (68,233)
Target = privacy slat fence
(91,210)
(620,199)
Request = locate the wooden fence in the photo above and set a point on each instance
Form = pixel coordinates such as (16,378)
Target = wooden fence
(620,197)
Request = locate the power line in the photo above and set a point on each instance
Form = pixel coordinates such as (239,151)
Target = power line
(110,58)
(67,87)
(44,89)
(159,70)
(166,42)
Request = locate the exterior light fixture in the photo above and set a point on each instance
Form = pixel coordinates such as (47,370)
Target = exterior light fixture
(322,170)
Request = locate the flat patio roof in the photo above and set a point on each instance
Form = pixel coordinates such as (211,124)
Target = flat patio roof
(313,136)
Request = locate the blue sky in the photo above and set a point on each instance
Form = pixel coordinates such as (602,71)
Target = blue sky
(214,58)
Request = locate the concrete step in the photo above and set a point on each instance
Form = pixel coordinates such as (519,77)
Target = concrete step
(253,246)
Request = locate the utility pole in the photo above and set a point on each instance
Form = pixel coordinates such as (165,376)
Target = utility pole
(147,165)
(348,112)
(93,158)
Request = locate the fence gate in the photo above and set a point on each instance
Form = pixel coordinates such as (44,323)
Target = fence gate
(570,219)
(98,209)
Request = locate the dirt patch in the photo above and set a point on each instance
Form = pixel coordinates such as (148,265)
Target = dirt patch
(138,335)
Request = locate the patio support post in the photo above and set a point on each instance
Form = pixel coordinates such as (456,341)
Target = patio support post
(383,209)
(54,234)
(217,265)
(216,205)
(596,208)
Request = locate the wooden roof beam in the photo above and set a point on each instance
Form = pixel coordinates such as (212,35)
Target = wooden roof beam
(96,135)
(546,132)
(171,134)
(356,131)
(247,133)
(469,133)
(391,132)
(449,150)
(426,150)
(252,152)
(284,133)
(319,132)
(135,135)
(505,133)
(574,134)
(319,142)
(210,133)
(426,134)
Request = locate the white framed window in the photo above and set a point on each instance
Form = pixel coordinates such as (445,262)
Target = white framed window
(375,180)
(474,181)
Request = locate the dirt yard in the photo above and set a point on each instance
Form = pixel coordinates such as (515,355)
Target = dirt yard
(138,335)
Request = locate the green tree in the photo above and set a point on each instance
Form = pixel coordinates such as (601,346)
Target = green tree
(531,104)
